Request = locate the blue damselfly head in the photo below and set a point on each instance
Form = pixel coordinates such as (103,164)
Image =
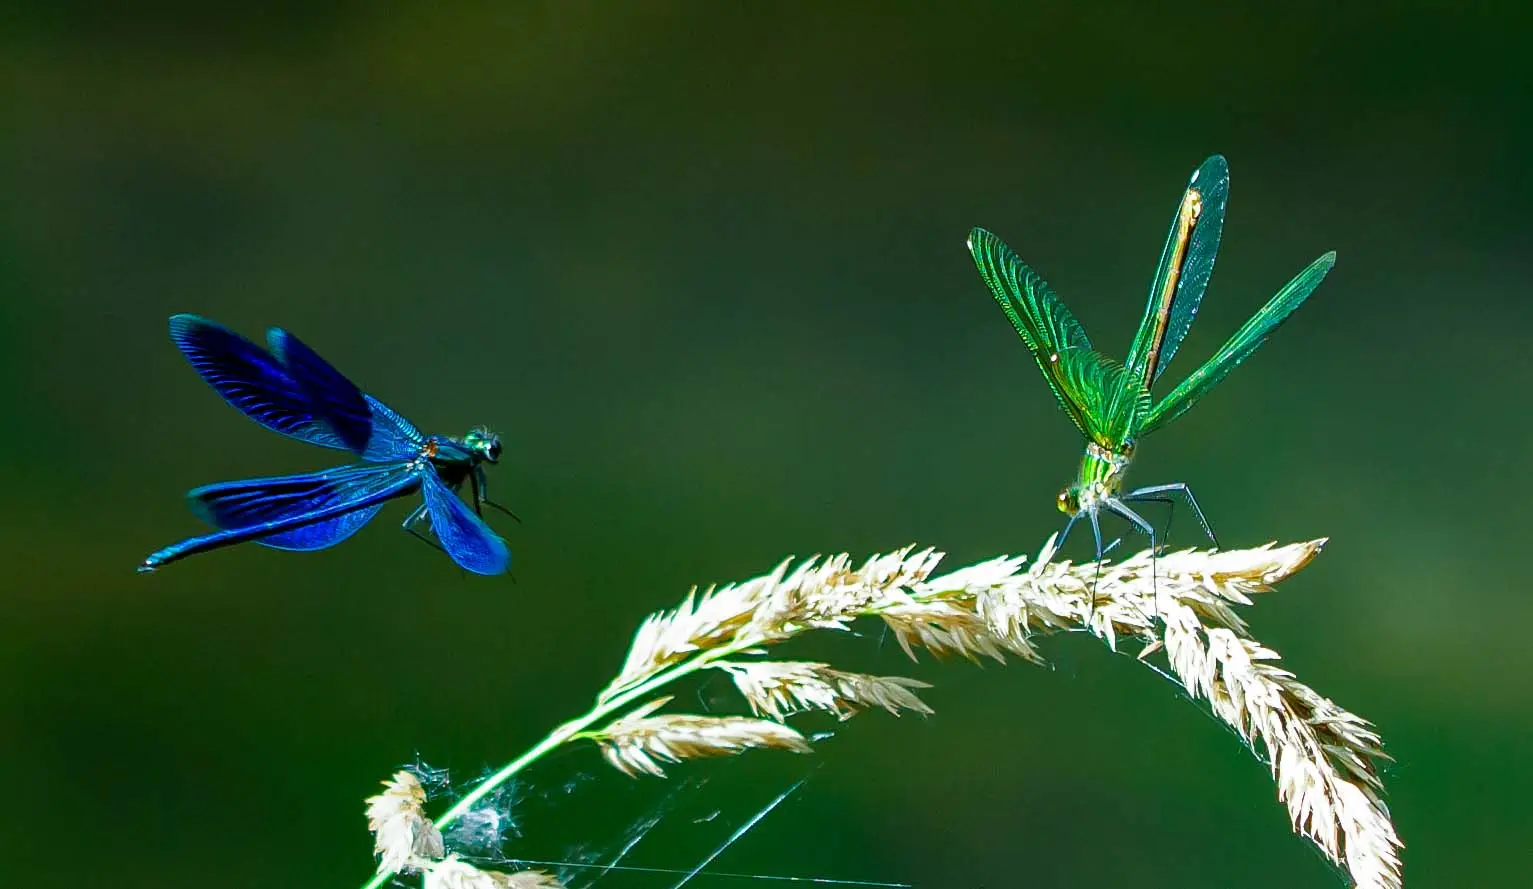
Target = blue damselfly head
(484,443)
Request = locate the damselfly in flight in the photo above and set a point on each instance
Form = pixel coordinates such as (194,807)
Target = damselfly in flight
(293,391)
(1109,402)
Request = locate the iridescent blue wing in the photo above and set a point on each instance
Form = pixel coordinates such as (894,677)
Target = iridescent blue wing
(256,501)
(333,397)
(319,511)
(393,437)
(464,535)
(321,535)
(252,380)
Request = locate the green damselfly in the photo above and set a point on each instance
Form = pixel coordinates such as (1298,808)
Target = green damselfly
(1110,403)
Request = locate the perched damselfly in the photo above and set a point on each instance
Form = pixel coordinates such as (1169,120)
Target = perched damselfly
(1110,403)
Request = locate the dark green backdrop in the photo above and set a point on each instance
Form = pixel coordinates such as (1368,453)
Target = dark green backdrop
(704,269)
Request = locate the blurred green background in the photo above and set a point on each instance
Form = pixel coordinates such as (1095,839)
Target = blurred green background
(702,265)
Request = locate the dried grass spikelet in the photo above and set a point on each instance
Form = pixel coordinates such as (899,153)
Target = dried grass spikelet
(945,626)
(1122,599)
(455,873)
(639,742)
(819,594)
(403,837)
(779,689)
(1321,756)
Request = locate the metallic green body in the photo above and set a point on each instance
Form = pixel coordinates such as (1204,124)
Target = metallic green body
(1110,403)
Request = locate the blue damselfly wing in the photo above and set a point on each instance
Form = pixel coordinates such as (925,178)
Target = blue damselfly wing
(465,536)
(252,380)
(331,396)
